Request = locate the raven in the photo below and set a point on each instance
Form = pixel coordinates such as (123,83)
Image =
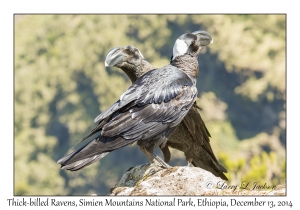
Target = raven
(191,136)
(149,110)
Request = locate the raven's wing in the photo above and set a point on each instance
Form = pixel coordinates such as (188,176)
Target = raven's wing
(154,87)
(196,127)
(199,132)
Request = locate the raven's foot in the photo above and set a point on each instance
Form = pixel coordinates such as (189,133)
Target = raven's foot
(155,159)
(159,162)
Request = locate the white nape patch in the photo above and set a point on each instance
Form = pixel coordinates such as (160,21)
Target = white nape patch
(180,48)
(212,41)
(141,54)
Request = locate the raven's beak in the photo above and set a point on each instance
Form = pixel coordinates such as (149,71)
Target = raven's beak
(114,57)
(203,37)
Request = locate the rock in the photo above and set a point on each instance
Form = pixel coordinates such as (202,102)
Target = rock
(149,179)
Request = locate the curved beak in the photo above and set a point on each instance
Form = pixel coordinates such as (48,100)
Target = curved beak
(114,57)
(203,37)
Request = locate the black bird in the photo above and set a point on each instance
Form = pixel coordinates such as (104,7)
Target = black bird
(149,110)
(191,136)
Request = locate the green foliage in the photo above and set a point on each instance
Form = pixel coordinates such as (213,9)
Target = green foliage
(233,167)
(61,85)
(263,168)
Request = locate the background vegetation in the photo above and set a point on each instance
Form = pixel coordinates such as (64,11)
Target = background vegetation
(61,84)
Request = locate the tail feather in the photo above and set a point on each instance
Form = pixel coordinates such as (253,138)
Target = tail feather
(83,163)
(92,152)
(97,129)
(223,169)
(65,158)
(214,167)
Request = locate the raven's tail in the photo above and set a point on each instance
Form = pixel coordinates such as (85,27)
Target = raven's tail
(92,152)
(81,163)
(210,165)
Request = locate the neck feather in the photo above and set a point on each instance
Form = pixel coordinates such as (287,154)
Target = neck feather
(188,64)
(136,71)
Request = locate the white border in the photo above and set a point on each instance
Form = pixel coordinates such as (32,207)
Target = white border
(8,8)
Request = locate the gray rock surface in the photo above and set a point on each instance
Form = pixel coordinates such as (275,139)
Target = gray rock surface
(152,180)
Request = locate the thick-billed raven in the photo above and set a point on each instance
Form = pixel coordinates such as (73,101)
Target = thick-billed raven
(150,110)
(191,136)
